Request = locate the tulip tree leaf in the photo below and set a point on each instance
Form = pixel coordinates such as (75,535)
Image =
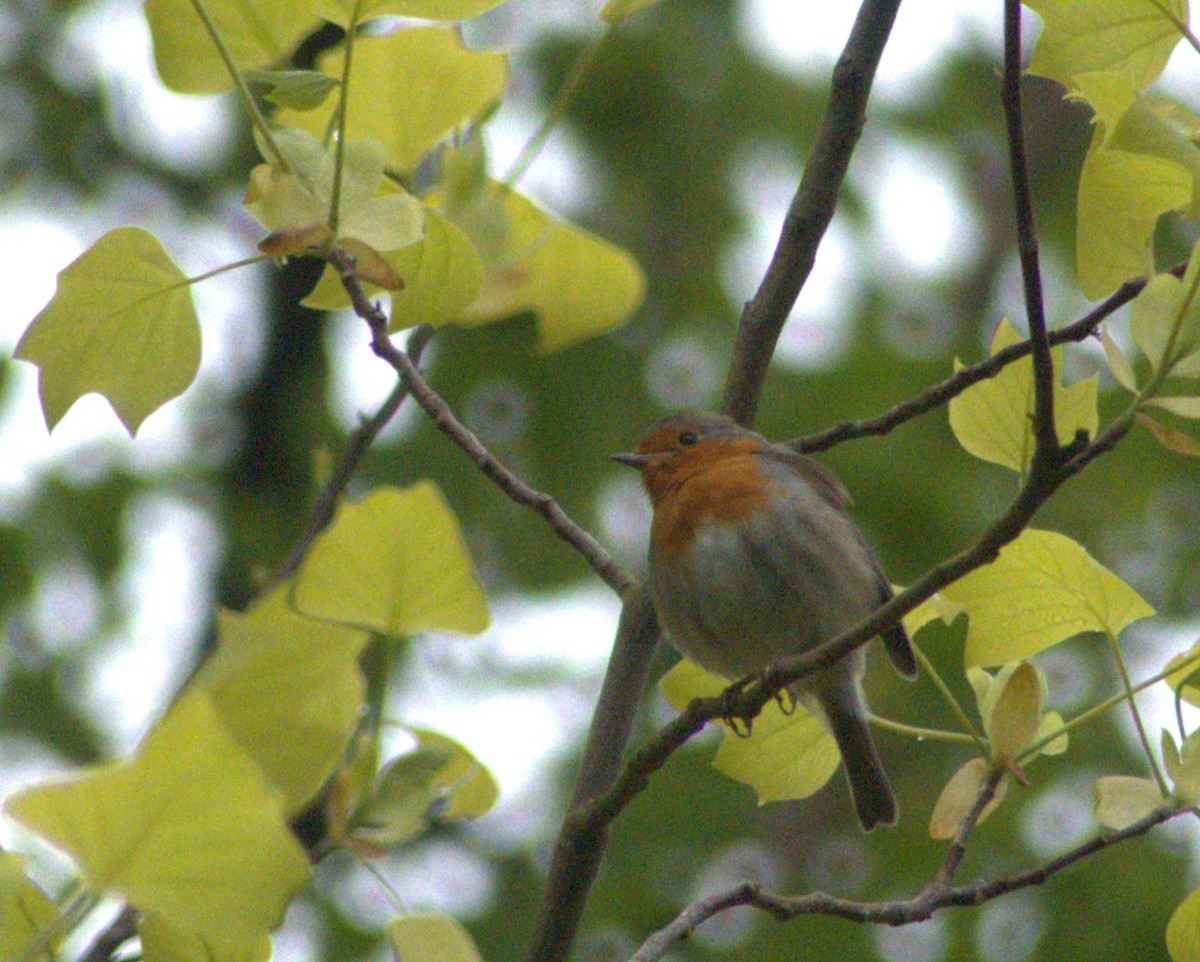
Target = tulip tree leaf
(993,419)
(786,756)
(1165,321)
(121,323)
(617,10)
(1133,37)
(1042,589)
(25,910)
(1183,930)
(189,830)
(422,84)
(256,32)
(1120,800)
(289,690)
(395,563)
(162,942)
(431,937)
(959,797)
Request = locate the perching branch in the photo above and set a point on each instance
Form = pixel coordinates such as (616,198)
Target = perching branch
(811,209)
(445,419)
(892,912)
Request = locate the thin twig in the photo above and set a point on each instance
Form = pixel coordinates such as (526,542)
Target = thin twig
(811,209)
(958,847)
(446,421)
(1044,430)
(960,380)
(356,448)
(892,912)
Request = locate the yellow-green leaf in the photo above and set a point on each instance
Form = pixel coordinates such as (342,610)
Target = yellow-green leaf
(420,84)
(1184,407)
(1183,930)
(579,285)
(1121,196)
(163,943)
(935,608)
(786,756)
(959,796)
(298,89)
(1165,320)
(1183,766)
(288,689)
(257,33)
(188,830)
(465,787)
(395,563)
(1120,800)
(25,910)
(431,937)
(617,10)
(1042,589)
(1185,676)
(1016,714)
(121,323)
(992,419)
(1118,363)
(1052,722)
(339,10)
(1168,437)
(1133,37)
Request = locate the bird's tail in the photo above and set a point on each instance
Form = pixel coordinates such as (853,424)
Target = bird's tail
(873,799)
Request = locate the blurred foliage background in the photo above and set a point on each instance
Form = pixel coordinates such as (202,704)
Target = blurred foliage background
(684,146)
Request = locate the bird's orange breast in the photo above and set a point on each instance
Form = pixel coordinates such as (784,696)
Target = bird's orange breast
(718,482)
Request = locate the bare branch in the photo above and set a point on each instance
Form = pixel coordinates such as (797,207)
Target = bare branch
(1044,431)
(445,419)
(894,912)
(811,209)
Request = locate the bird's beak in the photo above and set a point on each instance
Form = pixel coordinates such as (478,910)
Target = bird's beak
(638,461)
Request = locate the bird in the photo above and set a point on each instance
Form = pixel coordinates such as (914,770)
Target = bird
(753,557)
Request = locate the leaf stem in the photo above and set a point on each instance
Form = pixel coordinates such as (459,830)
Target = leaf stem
(570,86)
(239,82)
(972,732)
(1127,682)
(339,147)
(915,731)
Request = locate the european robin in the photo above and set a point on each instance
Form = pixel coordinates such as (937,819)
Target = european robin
(753,557)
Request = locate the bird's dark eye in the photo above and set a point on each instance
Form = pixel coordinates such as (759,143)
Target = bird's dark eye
(688,438)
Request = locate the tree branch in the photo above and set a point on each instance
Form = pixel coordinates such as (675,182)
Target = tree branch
(811,209)
(445,419)
(1045,431)
(894,912)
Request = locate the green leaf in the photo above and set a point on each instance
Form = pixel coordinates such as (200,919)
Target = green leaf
(615,11)
(958,798)
(121,323)
(466,788)
(256,33)
(298,89)
(1052,722)
(935,608)
(420,84)
(786,756)
(371,209)
(1016,714)
(188,830)
(339,10)
(161,942)
(1165,321)
(442,274)
(26,913)
(1042,589)
(1118,363)
(395,563)
(1134,37)
(1168,437)
(431,937)
(1184,407)
(1185,678)
(289,690)
(1119,800)
(579,285)
(993,419)
(1183,767)
(1121,196)
(1183,930)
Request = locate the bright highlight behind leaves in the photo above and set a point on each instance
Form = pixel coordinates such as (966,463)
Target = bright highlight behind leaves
(395,563)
